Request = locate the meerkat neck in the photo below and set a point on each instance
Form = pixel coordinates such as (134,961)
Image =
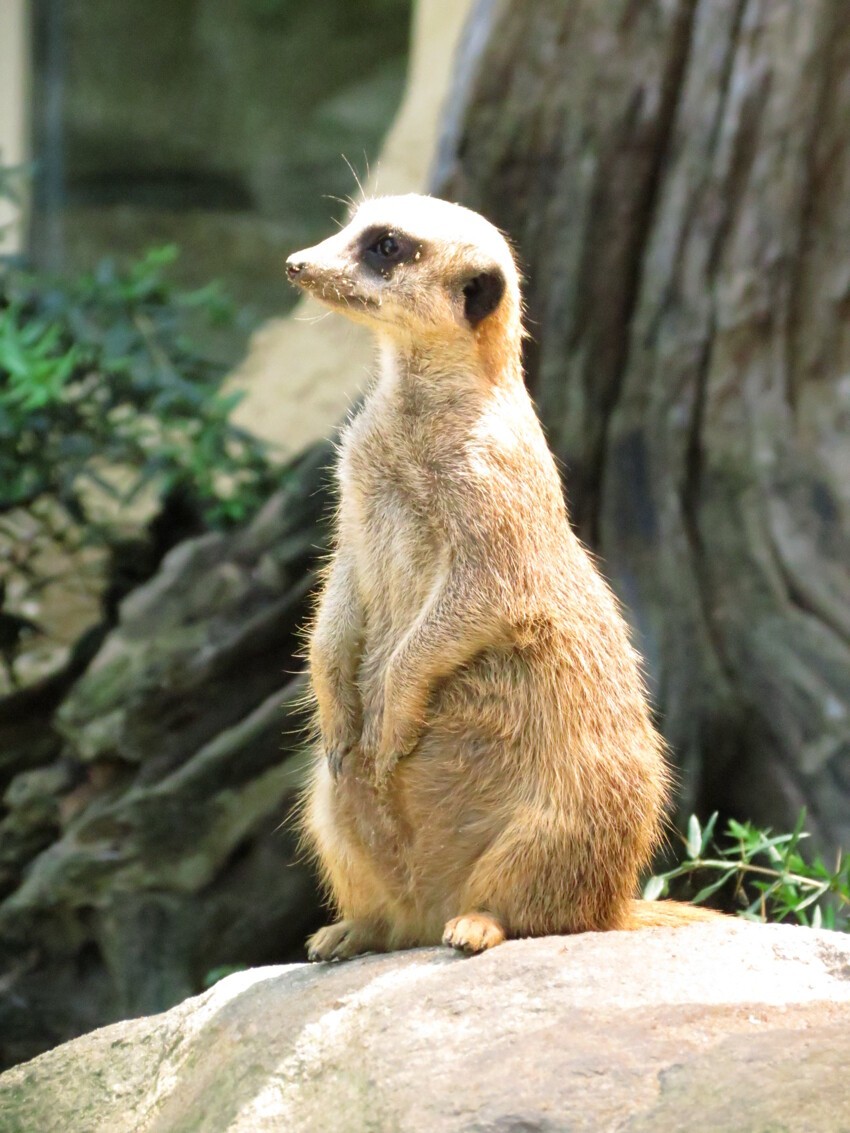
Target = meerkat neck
(419,369)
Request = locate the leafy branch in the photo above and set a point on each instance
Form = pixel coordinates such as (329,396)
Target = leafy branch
(96,374)
(767,876)
(106,402)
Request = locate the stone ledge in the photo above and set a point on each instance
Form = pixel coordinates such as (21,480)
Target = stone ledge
(714,1027)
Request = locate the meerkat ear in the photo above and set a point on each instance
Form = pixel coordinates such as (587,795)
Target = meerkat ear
(482,294)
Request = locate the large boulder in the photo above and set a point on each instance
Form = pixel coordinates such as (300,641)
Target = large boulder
(715,1027)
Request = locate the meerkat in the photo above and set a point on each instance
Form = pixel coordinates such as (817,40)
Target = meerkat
(488,767)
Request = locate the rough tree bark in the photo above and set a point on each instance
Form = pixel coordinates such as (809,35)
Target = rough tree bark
(675,174)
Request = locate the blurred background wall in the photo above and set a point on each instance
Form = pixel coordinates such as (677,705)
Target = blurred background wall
(219,127)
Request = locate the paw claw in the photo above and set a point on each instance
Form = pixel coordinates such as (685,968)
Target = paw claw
(343,940)
(336,757)
(473,932)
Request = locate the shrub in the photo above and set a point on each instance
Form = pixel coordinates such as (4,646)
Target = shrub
(763,874)
(97,374)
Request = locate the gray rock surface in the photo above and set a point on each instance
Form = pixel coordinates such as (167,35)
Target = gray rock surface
(712,1028)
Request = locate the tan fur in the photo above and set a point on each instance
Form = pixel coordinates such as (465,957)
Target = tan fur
(668,914)
(488,765)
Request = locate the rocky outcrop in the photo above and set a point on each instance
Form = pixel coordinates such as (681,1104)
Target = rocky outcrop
(151,846)
(713,1028)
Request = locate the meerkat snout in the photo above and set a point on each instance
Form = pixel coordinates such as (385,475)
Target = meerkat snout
(304,274)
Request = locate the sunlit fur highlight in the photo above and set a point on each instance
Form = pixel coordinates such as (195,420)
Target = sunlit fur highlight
(474,679)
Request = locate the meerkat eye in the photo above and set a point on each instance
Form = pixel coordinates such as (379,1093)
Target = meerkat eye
(383,251)
(387,247)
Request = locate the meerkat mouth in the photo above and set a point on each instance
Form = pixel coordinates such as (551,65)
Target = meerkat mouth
(341,295)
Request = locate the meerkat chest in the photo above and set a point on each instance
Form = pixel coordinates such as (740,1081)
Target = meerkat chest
(390,481)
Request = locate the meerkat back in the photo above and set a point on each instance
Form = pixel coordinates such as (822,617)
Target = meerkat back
(487,765)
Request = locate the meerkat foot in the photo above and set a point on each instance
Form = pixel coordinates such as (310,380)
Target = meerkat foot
(345,939)
(473,932)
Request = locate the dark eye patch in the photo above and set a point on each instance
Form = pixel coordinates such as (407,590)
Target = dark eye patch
(382,249)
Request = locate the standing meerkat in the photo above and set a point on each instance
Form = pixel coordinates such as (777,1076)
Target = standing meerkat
(489,768)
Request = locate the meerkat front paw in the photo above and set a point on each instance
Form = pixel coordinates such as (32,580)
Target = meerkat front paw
(387,739)
(340,736)
(345,939)
(398,738)
(473,932)
(336,755)
(376,744)
(370,738)
(393,747)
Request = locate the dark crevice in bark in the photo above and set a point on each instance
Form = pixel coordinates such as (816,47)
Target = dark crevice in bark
(694,204)
(795,592)
(692,486)
(691,492)
(671,88)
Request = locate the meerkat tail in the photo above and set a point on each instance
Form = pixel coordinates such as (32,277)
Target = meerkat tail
(668,914)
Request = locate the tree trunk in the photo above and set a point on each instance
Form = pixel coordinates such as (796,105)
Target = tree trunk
(676,178)
(675,175)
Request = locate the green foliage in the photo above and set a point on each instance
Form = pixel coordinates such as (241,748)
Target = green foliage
(97,374)
(767,876)
(215,974)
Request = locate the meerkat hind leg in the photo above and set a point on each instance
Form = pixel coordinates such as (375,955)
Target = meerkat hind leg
(474,932)
(346,939)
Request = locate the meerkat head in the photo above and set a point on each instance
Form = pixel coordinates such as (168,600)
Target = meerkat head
(415,267)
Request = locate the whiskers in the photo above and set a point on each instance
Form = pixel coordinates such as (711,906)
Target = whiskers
(348,203)
(311,318)
(357,180)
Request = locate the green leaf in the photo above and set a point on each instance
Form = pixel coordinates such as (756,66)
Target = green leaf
(713,887)
(694,842)
(222,972)
(656,887)
(708,834)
